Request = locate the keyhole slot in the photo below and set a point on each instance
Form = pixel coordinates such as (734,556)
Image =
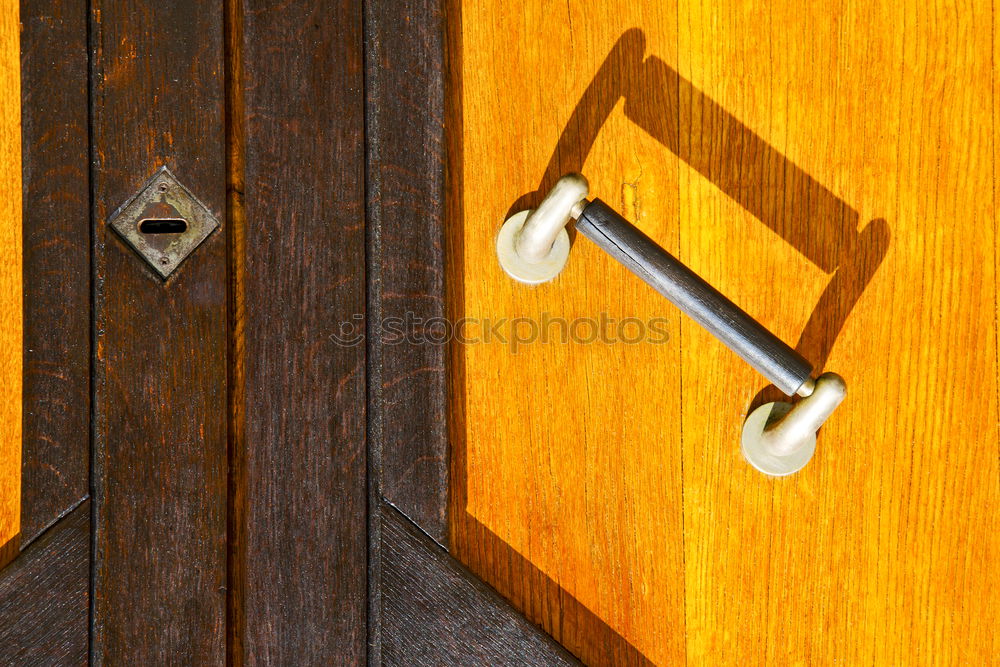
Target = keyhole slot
(163,226)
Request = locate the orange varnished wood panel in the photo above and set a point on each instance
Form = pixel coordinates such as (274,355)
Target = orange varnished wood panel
(829,166)
(11,328)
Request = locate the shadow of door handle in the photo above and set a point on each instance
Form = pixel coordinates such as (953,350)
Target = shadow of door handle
(778,438)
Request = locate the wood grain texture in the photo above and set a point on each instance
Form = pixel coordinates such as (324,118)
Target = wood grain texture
(435,612)
(884,549)
(831,169)
(303,466)
(11,285)
(44,596)
(405,182)
(160,468)
(566,457)
(56,449)
(407,393)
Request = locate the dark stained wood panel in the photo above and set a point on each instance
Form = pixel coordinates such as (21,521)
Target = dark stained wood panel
(406,201)
(44,596)
(302,464)
(160,387)
(435,612)
(54,128)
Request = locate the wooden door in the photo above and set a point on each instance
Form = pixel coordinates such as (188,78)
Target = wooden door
(830,167)
(193,480)
(200,474)
(280,453)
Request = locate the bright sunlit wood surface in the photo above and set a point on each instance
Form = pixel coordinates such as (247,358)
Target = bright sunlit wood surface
(830,166)
(10,274)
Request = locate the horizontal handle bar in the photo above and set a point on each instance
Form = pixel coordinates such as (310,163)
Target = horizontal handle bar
(741,333)
(778,438)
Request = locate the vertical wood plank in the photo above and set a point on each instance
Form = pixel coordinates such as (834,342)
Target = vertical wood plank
(56,262)
(302,497)
(407,387)
(405,80)
(160,386)
(11,322)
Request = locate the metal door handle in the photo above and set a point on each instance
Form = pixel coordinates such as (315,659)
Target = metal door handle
(778,438)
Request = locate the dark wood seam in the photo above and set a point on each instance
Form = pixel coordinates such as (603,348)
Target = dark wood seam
(52,526)
(236,499)
(92,71)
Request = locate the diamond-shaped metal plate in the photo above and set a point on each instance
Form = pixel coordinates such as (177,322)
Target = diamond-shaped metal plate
(160,205)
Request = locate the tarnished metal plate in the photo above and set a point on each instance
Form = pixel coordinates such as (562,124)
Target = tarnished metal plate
(163,222)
